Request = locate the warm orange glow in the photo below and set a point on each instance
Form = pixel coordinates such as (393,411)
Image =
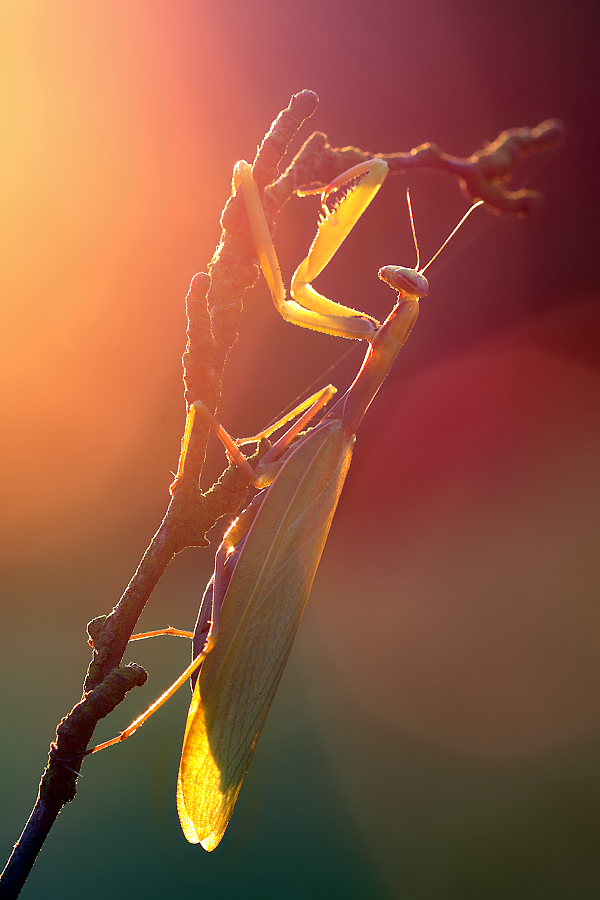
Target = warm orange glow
(105,218)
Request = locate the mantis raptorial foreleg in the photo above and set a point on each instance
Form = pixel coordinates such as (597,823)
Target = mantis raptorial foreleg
(308,308)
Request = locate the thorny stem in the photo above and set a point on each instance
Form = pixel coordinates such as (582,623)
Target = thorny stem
(213,305)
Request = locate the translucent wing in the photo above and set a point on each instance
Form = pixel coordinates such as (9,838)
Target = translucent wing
(259,619)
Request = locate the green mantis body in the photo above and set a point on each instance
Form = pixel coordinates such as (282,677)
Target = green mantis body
(267,562)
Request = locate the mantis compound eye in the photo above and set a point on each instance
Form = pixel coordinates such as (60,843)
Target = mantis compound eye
(405,281)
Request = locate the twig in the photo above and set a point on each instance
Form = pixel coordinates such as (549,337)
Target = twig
(482,176)
(213,306)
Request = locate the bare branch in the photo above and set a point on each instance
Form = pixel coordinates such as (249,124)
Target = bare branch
(482,176)
(190,514)
(57,786)
(213,304)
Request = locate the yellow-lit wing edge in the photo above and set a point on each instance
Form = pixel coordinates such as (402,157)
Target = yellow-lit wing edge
(261,614)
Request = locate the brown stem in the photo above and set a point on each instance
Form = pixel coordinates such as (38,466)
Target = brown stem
(189,515)
(213,305)
(482,176)
(57,786)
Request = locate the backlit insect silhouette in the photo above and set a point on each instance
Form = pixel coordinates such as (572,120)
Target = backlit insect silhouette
(267,561)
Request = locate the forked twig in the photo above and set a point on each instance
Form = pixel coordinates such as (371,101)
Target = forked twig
(213,304)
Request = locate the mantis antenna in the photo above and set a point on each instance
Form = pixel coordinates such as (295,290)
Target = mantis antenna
(450,236)
(412,225)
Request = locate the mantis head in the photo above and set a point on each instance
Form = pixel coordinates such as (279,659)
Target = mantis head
(405,281)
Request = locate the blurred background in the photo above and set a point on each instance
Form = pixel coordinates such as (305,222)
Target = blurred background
(437,731)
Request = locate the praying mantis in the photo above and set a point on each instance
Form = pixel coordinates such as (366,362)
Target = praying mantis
(266,563)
